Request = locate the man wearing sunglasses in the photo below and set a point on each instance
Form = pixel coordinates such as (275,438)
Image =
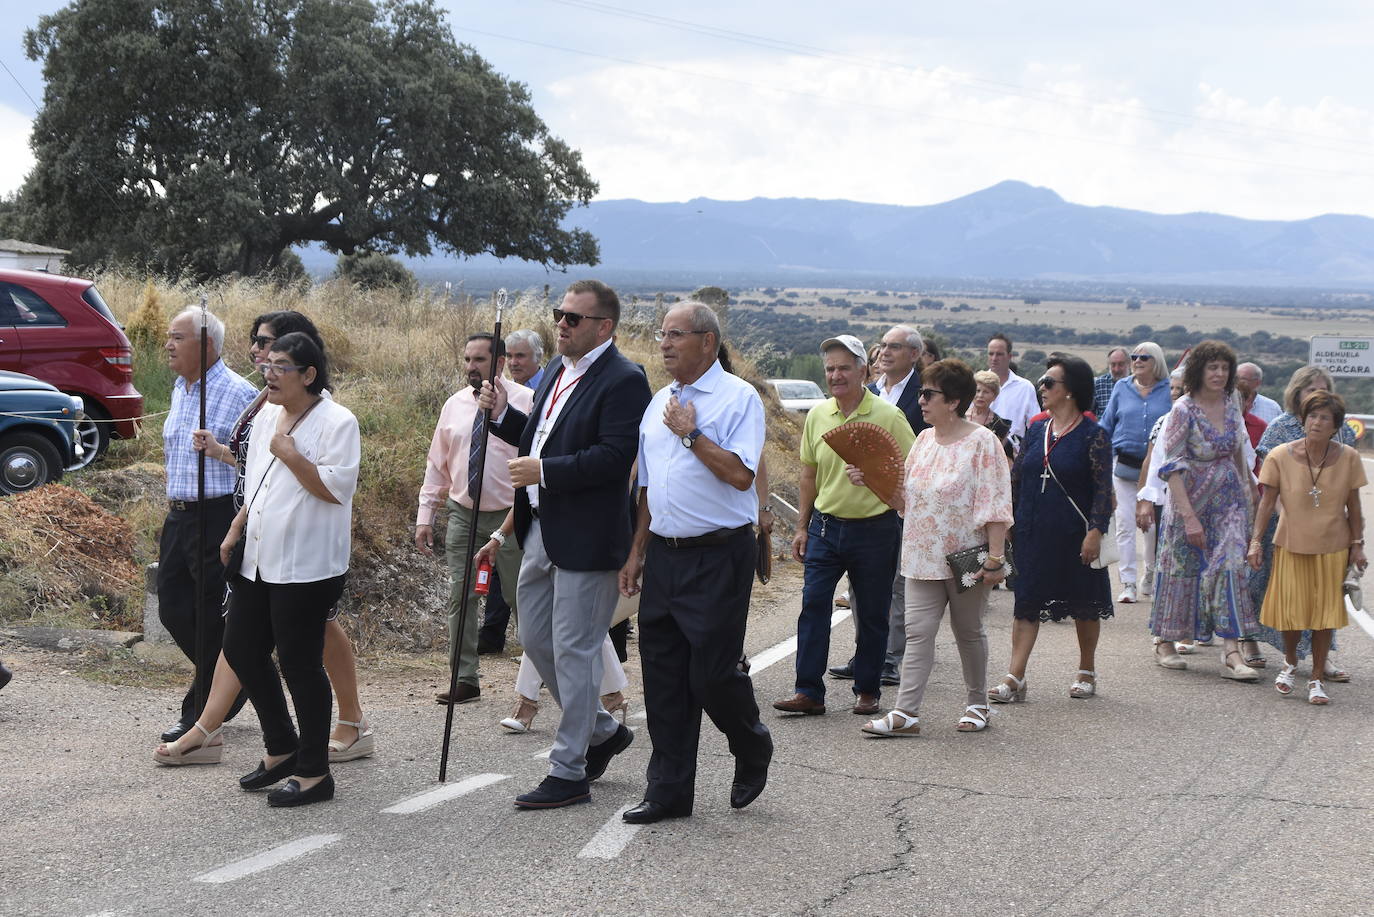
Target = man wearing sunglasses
(572,519)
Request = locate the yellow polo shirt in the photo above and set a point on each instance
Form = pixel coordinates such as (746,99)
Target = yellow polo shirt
(835,495)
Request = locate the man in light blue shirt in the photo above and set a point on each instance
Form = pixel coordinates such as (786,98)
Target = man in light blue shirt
(699,447)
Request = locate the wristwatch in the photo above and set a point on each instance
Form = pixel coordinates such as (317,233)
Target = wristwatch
(691,438)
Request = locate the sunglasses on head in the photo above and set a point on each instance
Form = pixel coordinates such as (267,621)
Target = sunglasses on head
(574,318)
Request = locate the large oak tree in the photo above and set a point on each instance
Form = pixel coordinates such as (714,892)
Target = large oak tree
(205,137)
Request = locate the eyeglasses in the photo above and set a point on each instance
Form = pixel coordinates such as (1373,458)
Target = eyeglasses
(674,334)
(929,393)
(575,318)
(1047,382)
(261,340)
(1140,357)
(277,369)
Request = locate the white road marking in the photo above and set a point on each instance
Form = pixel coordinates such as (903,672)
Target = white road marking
(268,858)
(432,798)
(787,647)
(607,843)
(543,754)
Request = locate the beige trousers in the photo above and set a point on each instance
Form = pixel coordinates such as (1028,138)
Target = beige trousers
(925,606)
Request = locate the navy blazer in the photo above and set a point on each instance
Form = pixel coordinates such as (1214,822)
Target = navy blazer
(584,501)
(909,403)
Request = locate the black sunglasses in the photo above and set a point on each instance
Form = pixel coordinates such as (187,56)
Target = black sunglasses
(574,318)
(261,340)
(1140,357)
(929,393)
(1047,382)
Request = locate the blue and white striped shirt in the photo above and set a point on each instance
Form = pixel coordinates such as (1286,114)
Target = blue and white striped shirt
(226,395)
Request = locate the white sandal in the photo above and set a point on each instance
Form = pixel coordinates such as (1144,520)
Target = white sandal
(362,746)
(894,723)
(1316,693)
(1003,693)
(207,752)
(1081,688)
(975,718)
(1283,682)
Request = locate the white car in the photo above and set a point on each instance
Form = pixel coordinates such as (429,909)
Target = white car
(800,395)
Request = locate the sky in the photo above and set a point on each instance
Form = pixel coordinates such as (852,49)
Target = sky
(1261,109)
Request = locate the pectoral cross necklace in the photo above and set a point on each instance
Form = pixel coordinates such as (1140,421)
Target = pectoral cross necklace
(1316,492)
(1052,440)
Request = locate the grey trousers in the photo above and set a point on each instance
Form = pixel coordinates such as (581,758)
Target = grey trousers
(896,622)
(925,606)
(564,616)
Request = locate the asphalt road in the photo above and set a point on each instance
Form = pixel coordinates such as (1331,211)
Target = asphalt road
(1169,793)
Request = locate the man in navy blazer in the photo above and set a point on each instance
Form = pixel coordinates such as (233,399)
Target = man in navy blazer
(572,517)
(900,359)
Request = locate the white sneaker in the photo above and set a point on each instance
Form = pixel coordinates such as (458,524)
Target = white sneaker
(1127,595)
(1147,585)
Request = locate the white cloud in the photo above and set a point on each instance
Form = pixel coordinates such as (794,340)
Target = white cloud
(917,137)
(16,159)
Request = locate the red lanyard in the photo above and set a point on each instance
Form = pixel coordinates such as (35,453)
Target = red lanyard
(1050,444)
(559,392)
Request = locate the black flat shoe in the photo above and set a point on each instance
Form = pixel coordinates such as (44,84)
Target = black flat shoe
(292,795)
(648,812)
(175,731)
(599,756)
(5,675)
(265,776)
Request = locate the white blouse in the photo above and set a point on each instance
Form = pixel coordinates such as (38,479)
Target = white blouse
(292,536)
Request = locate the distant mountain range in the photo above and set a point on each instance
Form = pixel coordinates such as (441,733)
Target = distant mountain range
(1011,231)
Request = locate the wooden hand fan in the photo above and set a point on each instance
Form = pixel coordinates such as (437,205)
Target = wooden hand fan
(875,452)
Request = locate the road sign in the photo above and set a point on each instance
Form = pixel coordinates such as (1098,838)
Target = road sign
(1343,356)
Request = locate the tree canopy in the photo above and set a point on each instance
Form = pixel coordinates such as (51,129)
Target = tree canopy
(205,137)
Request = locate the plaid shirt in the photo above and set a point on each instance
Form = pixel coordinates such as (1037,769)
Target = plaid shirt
(1102,392)
(226,396)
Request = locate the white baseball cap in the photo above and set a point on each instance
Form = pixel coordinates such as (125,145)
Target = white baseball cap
(850,343)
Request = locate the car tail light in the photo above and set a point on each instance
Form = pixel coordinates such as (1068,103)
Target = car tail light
(121,358)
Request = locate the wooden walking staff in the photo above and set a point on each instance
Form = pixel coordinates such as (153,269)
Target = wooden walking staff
(476,496)
(200,520)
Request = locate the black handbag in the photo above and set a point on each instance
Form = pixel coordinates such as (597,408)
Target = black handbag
(968,562)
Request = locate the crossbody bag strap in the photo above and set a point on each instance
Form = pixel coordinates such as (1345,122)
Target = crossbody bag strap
(257,490)
(1071,500)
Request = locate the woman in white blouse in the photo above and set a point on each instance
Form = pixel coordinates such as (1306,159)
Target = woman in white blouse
(301,474)
(956,495)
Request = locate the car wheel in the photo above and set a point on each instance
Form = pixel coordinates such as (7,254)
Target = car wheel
(90,434)
(27,460)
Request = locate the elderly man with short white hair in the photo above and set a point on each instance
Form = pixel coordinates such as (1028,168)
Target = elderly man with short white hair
(525,357)
(1249,378)
(185,565)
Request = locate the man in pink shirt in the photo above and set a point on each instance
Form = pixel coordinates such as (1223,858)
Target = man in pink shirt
(450,475)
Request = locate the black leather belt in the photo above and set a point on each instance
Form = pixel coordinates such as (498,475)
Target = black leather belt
(181,506)
(824,516)
(719,536)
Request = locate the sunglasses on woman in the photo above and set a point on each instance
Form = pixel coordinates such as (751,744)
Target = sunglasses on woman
(1047,382)
(1140,357)
(574,318)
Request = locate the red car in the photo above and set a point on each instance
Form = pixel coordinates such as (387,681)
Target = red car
(58,329)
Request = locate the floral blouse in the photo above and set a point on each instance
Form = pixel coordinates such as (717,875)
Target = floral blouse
(952,493)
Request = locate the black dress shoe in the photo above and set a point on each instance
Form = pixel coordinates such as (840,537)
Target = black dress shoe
(598,756)
(292,795)
(554,793)
(845,671)
(648,812)
(5,675)
(750,780)
(265,776)
(489,649)
(890,676)
(175,731)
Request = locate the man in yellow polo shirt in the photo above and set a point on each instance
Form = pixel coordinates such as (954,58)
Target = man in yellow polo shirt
(844,529)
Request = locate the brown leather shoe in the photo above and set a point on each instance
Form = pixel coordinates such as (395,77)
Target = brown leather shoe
(865,705)
(466,693)
(799,703)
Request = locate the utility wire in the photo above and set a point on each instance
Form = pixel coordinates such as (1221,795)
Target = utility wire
(1143,112)
(915,113)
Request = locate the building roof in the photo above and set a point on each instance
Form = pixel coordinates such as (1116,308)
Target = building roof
(30,248)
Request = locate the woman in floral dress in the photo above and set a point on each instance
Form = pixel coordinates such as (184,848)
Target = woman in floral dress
(1202,566)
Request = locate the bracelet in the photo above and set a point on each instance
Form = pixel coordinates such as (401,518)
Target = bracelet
(499,537)
(999,559)
(1357,541)
(994,569)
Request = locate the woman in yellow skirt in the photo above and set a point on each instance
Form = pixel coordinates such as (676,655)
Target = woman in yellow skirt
(1316,482)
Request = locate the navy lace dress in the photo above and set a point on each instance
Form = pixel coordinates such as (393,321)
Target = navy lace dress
(1052,583)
